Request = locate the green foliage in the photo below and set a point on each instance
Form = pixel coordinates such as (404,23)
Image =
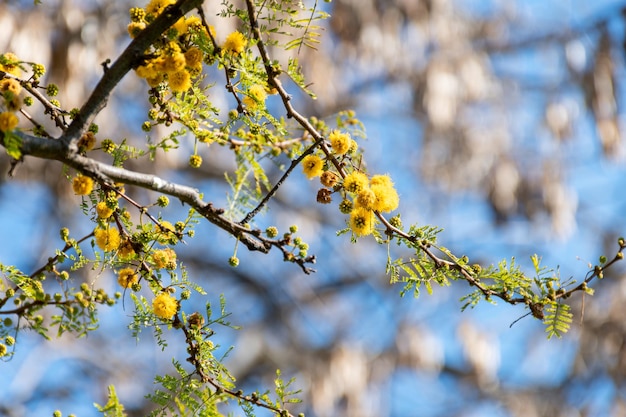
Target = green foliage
(184,395)
(557,319)
(112,408)
(285,395)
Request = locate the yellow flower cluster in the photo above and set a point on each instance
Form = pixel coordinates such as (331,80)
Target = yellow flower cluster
(10,86)
(82,185)
(164,258)
(165,306)
(235,43)
(11,64)
(156,7)
(127,277)
(174,62)
(103,210)
(126,250)
(10,90)
(256,97)
(8,121)
(367,196)
(386,195)
(166,232)
(107,239)
(183,24)
(377,194)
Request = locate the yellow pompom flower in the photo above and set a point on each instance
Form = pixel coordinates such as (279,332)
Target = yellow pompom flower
(147,71)
(180,26)
(235,42)
(8,121)
(156,7)
(361,221)
(340,142)
(82,185)
(103,211)
(10,85)
(355,182)
(179,81)
(193,57)
(174,62)
(155,81)
(386,195)
(312,166)
(127,277)
(353,146)
(164,306)
(134,28)
(107,239)
(194,23)
(11,64)
(164,258)
(366,198)
(126,250)
(256,96)
(166,232)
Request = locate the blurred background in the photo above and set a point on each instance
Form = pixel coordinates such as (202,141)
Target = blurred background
(501,121)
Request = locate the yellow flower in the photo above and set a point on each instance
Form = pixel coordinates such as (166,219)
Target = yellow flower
(355,182)
(82,185)
(166,232)
(180,26)
(361,221)
(256,96)
(134,28)
(340,142)
(194,23)
(11,64)
(147,71)
(164,306)
(126,250)
(235,42)
(8,121)
(155,81)
(155,7)
(353,146)
(386,195)
(193,57)
(107,239)
(174,62)
(10,85)
(127,277)
(366,198)
(164,258)
(179,81)
(312,165)
(103,211)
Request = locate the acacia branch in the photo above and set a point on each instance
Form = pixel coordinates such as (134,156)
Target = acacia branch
(129,59)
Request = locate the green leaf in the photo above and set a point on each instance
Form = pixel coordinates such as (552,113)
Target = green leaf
(557,319)
(112,408)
